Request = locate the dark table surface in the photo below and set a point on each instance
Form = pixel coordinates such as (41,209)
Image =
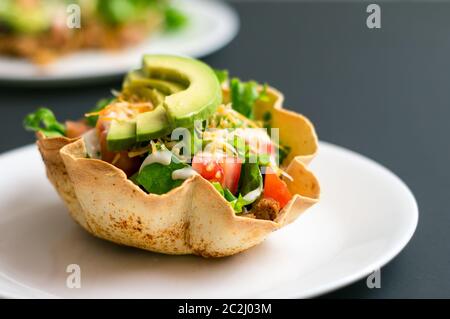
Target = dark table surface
(384,93)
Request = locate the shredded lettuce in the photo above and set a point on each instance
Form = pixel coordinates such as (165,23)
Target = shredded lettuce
(244,95)
(43,120)
(237,203)
(222,75)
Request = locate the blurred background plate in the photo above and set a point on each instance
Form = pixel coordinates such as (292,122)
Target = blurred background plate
(212,25)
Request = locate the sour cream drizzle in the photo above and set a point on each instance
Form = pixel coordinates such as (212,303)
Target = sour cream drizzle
(183,173)
(253,195)
(92,144)
(162,157)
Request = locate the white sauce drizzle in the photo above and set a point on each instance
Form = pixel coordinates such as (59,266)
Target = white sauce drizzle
(253,195)
(162,157)
(92,144)
(184,173)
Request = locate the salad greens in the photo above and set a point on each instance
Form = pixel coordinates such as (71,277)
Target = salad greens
(156,178)
(222,75)
(244,95)
(44,120)
(250,179)
(237,203)
(240,182)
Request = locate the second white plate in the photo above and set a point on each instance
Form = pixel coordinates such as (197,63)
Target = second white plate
(212,24)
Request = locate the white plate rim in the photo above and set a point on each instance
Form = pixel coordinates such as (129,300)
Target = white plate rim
(325,288)
(387,257)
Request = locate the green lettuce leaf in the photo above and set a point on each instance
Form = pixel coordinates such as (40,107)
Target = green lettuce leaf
(222,75)
(244,95)
(250,179)
(43,120)
(237,203)
(156,178)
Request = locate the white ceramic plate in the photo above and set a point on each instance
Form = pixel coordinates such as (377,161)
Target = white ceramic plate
(365,217)
(212,24)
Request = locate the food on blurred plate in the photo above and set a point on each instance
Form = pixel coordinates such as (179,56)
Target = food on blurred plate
(182,161)
(39,29)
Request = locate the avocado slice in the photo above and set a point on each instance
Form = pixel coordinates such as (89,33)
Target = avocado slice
(145,94)
(202,95)
(182,89)
(137,78)
(156,97)
(153,124)
(121,135)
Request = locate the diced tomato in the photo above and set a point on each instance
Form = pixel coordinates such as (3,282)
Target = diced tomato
(276,188)
(208,167)
(119,159)
(219,168)
(76,129)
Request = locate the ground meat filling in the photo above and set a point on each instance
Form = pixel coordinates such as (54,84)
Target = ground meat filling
(265,208)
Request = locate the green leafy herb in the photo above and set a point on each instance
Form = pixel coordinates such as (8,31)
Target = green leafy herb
(218,187)
(237,203)
(174,19)
(240,203)
(101,104)
(250,179)
(263,96)
(222,75)
(43,120)
(283,152)
(244,95)
(156,178)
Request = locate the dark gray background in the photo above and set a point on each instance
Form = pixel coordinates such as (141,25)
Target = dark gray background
(384,93)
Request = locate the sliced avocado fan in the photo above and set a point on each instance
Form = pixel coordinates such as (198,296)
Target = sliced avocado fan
(183,90)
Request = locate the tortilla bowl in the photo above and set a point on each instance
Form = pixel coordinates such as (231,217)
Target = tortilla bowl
(192,218)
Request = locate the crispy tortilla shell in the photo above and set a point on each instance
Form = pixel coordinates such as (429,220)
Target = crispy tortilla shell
(191,219)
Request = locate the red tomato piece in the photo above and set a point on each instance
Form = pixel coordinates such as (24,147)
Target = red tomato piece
(76,129)
(232,170)
(208,167)
(276,188)
(121,160)
(218,168)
